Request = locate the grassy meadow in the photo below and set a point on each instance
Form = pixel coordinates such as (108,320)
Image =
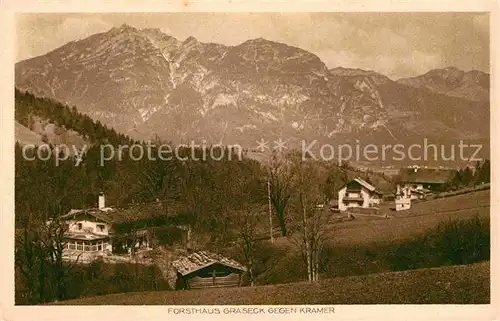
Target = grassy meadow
(465,284)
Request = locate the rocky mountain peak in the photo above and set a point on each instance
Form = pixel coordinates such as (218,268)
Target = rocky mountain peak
(471,85)
(124,28)
(154,31)
(371,75)
(190,40)
(448,73)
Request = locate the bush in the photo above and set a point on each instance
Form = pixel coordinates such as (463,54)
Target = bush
(461,242)
(451,243)
(276,265)
(98,278)
(169,235)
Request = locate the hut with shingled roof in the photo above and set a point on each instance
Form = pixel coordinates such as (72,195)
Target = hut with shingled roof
(204,269)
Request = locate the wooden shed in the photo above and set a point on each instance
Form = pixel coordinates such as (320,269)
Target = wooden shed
(203,269)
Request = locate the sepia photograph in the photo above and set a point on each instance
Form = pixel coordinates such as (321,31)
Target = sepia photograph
(295,160)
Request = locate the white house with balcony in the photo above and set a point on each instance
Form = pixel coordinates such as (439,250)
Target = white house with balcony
(102,230)
(87,234)
(358,193)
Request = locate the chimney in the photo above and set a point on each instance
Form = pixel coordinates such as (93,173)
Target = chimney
(101,201)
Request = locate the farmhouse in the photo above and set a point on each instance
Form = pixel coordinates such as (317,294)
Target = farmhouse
(100,231)
(203,269)
(358,193)
(424,180)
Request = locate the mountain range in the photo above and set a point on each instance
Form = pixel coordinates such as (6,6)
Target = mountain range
(148,84)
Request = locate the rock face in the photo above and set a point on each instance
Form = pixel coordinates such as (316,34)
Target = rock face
(146,83)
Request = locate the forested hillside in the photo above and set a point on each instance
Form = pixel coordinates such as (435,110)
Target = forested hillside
(27,106)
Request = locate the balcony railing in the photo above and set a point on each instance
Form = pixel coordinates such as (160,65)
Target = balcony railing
(353,199)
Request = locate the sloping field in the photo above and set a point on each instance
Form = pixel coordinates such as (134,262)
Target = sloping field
(422,216)
(25,136)
(461,284)
(449,204)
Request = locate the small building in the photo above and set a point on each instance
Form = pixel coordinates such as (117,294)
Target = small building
(203,269)
(358,193)
(418,193)
(423,180)
(403,198)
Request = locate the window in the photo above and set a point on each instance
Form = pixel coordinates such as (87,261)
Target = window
(101,227)
(79,226)
(99,246)
(79,246)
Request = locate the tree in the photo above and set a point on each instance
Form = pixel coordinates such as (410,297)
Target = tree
(39,260)
(27,261)
(44,138)
(334,179)
(482,173)
(280,181)
(311,207)
(156,178)
(54,243)
(467,176)
(248,237)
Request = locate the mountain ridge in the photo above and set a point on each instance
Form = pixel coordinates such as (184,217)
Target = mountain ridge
(146,83)
(471,85)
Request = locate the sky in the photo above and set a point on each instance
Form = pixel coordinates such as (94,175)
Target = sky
(395,44)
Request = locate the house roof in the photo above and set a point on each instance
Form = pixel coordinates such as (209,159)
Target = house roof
(426,175)
(130,213)
(200,259)
(366,185)
(420,191)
